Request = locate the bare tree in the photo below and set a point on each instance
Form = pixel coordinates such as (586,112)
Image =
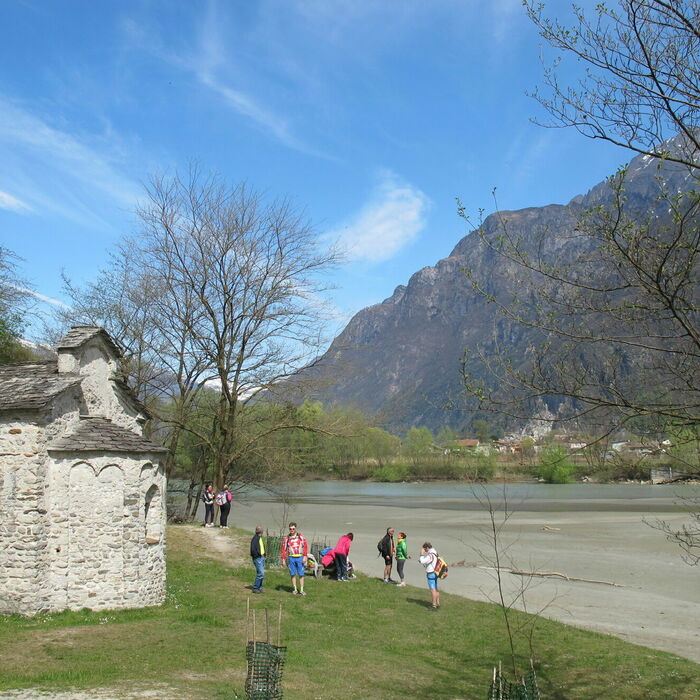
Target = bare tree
(217,299)
(248,275)
(609,294)
(641,84)
(494,549)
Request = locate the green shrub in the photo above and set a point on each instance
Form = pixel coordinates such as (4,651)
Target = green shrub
(555,467)
(480,467)
(436,468)
(359,471)
(390,473)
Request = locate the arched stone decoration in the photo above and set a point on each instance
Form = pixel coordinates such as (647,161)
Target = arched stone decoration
(153,515)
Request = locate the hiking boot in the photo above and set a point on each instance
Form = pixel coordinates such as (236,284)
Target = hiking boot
(402,584)
(302,592)
(295,592)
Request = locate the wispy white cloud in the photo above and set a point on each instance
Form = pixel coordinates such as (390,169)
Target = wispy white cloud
(209,60)
(248,107)
(43,297)
(392,218)
(57,170)
(37,295)
(7,201)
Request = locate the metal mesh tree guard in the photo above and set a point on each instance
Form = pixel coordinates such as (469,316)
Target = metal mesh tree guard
(265,660)
(503,689)
(273,550)
(265,666)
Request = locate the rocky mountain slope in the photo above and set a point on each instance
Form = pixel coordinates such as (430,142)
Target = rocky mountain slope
(400,360)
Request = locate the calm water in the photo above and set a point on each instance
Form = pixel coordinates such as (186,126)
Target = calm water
(459,496)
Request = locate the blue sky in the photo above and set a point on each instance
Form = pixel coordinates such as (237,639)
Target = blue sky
(371,115)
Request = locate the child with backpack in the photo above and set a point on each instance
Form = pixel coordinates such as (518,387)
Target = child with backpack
(432,563)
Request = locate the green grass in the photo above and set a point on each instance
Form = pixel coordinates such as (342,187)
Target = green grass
(361,639)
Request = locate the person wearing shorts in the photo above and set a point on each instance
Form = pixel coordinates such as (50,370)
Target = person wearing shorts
(295,550)
(428,557)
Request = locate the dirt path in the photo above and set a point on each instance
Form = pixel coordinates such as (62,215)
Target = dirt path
(216,543)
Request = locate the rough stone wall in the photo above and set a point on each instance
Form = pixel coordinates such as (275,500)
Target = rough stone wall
(22,511)
(22,531)
(100,554)
(101,397)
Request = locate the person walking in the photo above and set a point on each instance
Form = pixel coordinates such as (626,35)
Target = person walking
(401,556)
(257,554)
(428,557)
(295,550)
(341,551)
(208,498)
(386,550)
(223,500)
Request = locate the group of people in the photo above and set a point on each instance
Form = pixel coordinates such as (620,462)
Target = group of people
(295,552)
(222,499)
(398,551)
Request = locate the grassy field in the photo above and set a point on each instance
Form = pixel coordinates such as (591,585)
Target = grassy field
(362,639)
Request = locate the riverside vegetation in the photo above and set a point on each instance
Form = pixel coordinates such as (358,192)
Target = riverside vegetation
(343,444)
(391,644)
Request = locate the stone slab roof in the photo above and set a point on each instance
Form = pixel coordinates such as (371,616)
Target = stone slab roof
(97,434)
(78,335)
(31,385)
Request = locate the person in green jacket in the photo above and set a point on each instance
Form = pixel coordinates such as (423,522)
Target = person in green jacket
(401,556)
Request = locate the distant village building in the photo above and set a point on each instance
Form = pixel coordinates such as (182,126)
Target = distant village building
(467,443)
(508,447)
(82,505)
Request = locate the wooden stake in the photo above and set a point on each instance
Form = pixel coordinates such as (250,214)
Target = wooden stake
(247,619)
(255,648)
(279,627)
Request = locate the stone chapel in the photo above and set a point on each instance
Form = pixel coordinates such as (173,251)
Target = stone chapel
(82,500)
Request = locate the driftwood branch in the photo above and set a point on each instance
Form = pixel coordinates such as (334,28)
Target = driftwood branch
(552,573)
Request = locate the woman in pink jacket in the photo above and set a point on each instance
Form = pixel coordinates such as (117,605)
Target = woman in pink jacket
(342,549)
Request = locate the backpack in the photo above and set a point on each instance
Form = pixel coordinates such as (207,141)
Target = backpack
(440,567)
(379,546)
(221,499)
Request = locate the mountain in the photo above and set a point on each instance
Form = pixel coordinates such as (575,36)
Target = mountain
(399,360)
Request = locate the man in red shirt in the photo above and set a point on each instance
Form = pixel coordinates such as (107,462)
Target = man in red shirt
(295,550)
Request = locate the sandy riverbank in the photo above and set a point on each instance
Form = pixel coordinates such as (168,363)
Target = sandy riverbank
(656,602)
